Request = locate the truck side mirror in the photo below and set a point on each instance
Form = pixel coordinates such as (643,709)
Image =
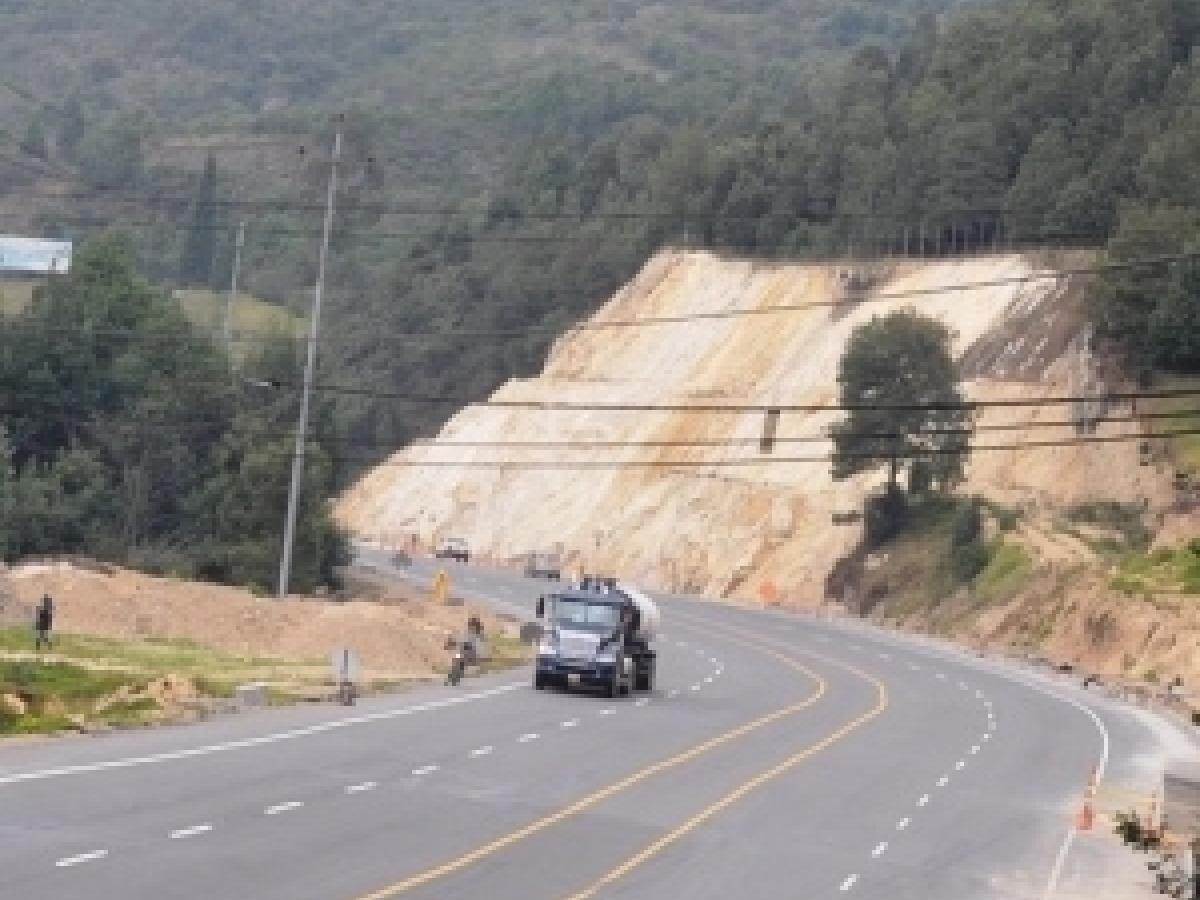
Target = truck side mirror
(541,607)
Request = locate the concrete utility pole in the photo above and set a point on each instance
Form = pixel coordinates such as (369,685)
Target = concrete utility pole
(233,287)
(289,528)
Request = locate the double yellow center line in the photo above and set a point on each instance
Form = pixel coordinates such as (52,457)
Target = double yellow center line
(762,645)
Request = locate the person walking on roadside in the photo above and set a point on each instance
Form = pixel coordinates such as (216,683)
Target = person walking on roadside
(43,623)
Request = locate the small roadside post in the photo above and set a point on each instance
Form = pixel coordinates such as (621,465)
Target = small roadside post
(346,673)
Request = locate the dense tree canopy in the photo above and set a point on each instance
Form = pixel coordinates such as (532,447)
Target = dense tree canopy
(899,384)
(125,435)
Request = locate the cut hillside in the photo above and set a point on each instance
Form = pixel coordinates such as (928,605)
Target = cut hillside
(754,528)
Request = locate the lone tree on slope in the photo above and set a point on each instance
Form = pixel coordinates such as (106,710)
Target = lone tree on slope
(900,389)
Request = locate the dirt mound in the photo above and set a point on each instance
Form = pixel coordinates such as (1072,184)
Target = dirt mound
(405,634)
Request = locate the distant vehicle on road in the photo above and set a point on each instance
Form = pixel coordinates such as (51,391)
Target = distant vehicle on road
(543,565)
(453,548)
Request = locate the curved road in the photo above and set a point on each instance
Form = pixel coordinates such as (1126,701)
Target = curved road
(779,757)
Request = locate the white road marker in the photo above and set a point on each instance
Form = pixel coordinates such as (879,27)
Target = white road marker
(903,823)
(987,736)
(848,883)
(718,672)
(694,687)
(260,741)
(708,680)
(483,751)
(974,750)
(923,800)
(607,712)
(526,738)
(361,788)
(941,676)
(880,849)
(963,685)
(282,807)
(674,692)
(424,770)
(943,781)
(81,858)
(960,765)
(182,833)
(569,723)
(714,661)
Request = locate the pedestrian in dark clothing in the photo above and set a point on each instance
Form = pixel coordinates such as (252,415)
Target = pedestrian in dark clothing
(43,623)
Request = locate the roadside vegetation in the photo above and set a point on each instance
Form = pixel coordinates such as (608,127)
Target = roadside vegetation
(130,438)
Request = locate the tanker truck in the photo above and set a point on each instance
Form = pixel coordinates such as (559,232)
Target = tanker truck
(597,634)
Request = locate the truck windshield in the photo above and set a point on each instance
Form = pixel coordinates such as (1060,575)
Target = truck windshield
(585,614)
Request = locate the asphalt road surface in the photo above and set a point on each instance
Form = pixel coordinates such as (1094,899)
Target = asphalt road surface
(779,757)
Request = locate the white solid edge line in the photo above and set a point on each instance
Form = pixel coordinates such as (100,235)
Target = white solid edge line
(1065,849)
(181,833)
(81,858)
(262,740)
(848,883)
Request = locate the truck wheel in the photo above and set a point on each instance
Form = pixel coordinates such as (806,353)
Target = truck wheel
(539,682)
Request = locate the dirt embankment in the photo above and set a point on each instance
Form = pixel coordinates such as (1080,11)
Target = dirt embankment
(718,517)
(400,633)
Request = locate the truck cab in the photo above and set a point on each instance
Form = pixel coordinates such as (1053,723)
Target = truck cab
(591,638)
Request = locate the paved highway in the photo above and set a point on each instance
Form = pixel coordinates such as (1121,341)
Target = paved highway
(779,757)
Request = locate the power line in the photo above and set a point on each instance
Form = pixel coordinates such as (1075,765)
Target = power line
(738,408)
(584,465)
(858,297)
(191,423)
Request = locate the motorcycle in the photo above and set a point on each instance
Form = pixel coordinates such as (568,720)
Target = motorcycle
(464,655)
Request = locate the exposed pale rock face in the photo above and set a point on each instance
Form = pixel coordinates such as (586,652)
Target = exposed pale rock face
(756,528)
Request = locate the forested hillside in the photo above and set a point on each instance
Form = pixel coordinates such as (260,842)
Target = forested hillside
(511,164)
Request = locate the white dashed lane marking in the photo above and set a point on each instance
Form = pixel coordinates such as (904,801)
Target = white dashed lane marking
(674,692)
(903,823)
(641,701)
(282,807)
(526,738)
(424,770)
(483,751)
(943,781)
(607,712)
(570,723)
(361,788)
(182,833)
(708,680)
(81,858)
(974,750)
(960,765)
(924,800)
(694,687)
(848,883)
(880,849)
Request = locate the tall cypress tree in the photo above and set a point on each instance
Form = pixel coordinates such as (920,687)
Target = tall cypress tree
(199,246)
